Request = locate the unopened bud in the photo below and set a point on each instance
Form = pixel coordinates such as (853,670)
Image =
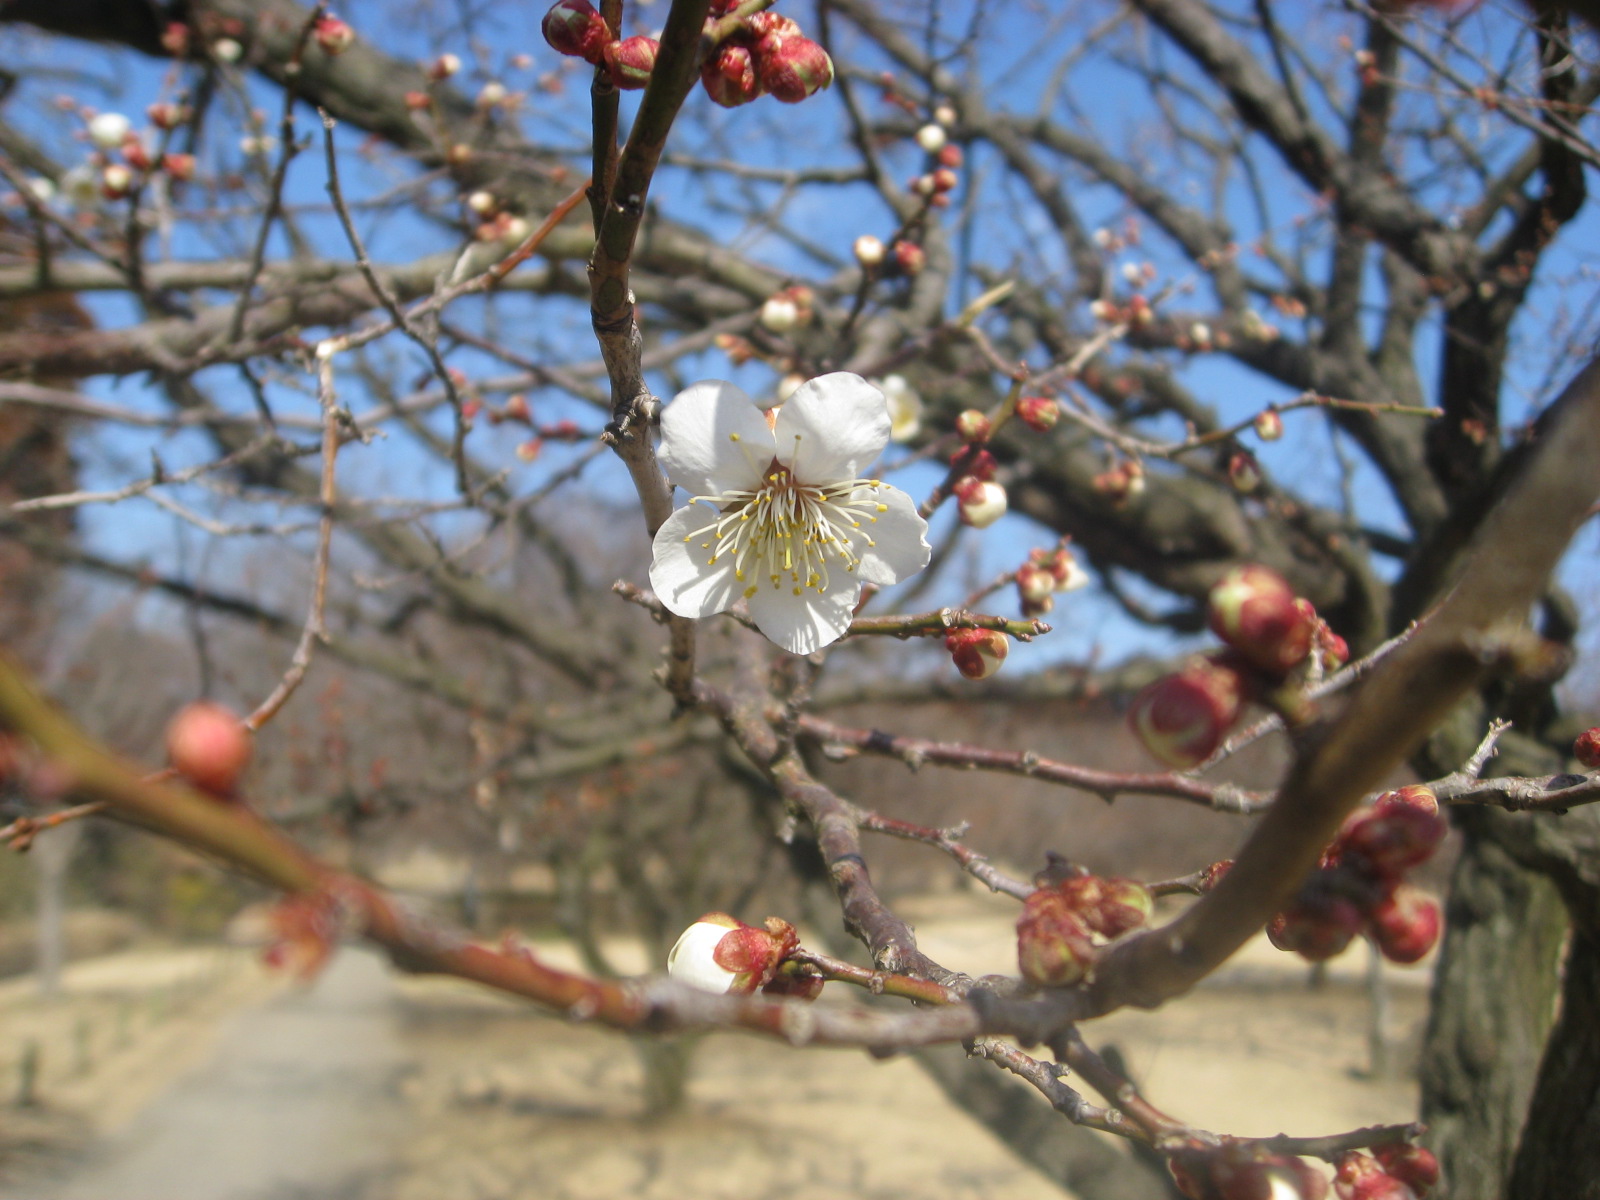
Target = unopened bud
(446,65)
(1253,609)
(1054,946)
(178,166)
(932,138)
(1412,1165)
(1405,925)
(1244,473)
(107,130)
(166,116)
(175,39)
(115,181)
(1317,925)
(631,61)
(793,69)
(1586,749)
(720,954)
(729,77)
(208,746)
(981,502)
(869,251)
(1182,718)
(333,35)
(1039,413)
(1036,586)
(483,203)
(977,653)
(779,314)
(973,426)
(910,257)
(1269,425)
(226,50)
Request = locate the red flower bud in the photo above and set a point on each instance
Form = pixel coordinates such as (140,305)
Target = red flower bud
(720,954)
(792,68)
(631,61)
(1236,1171)
(1360,1177)
(977,653)
(1587,748)
(1039,413)
(333,35)
(178,166)
(1415,795)
(1319,924)
(1253,609)
(1183,718)
(910,257)
(208,746)
(573,28)
(1405,924)
(1391,837)
(1412,1165)
(1054,946)
(729,77)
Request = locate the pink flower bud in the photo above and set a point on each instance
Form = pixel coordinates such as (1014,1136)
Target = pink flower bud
(910,257)
(178,166)
(446,65)
(1182,718)
(1039,413)
(951,156)
(1068,574)
(1414,795)
(166,116)
(981,502)
(1054,946)
(417,101)
(792,68)
(1332,650)
(944,180)
(631,61)
(977,653)
(1405,924)
(208,746)
(1412,1165)
(134,153)
(729,77)
(1586,749)
(333,35)
(1269,425)
(1361,1177)
(975,462)
(1253,609)
(175,39)
(1244,473)
(973,426)
(573,28)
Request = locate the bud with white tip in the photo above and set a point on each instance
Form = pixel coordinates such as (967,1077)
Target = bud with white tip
(982,501)
(869,251)
(932,138)
(107,130)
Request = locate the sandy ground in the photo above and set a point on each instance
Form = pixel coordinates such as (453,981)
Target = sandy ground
(369,1086)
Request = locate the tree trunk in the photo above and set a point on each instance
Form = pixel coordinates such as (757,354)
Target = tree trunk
(1560,1154)
(1492,1009)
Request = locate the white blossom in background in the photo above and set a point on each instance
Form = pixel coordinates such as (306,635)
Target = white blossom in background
(905,407)
(780,514)
(107,129)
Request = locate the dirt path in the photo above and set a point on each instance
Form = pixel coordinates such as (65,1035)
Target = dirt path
(297,1099)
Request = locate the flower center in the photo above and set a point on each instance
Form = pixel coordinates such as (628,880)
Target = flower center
(790,534)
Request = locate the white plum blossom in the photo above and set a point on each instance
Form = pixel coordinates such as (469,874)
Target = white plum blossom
(905,407)
(692,959)
(790,525)
(108,129)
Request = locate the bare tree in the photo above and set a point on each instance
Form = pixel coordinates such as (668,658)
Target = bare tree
(366,293)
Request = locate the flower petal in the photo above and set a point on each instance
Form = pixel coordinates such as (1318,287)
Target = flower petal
(900,539)
(842,423)
(701,435)
(803,623)
(682,577)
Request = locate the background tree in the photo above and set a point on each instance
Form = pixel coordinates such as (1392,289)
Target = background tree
(1340,220)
